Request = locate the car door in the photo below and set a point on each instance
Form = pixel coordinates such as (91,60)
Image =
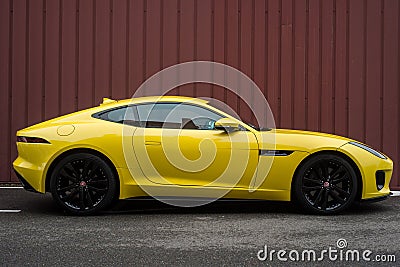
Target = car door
(176,143)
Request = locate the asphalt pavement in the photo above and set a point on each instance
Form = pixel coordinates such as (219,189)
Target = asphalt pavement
(33,231)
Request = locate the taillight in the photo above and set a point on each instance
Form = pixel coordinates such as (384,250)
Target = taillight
(36,140)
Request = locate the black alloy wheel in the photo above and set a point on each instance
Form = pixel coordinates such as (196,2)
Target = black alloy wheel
(325,184)
(83,184)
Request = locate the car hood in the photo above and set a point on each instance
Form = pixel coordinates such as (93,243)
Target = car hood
(296,140)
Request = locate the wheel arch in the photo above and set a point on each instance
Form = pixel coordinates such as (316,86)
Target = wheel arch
(337,153)
(81,150)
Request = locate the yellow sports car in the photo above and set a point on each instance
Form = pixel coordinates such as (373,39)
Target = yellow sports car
(180,146)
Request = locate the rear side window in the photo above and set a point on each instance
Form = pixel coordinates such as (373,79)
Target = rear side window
(120,115)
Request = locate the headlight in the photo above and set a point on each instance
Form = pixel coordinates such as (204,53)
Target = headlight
(370,150)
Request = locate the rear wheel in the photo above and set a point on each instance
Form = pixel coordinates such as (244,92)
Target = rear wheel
(83,184)
(325,184)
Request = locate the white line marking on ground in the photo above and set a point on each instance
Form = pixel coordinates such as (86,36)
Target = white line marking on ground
(395,194)
(10,211)
(11,187)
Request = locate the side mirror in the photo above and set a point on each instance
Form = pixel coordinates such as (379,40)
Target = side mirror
(228,125)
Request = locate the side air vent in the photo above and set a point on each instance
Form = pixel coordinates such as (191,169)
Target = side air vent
(275,152)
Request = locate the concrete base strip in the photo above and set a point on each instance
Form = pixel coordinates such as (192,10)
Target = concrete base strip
(395,194)
(10,211)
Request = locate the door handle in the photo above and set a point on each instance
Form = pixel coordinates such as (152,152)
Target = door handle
(152,143)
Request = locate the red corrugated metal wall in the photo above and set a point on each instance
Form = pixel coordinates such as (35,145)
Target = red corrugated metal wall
(330,66)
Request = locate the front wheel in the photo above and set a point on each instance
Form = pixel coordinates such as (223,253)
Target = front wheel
(83,184)
(325,184)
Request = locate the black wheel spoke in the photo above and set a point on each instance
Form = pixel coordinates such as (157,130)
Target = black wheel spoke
(341,191)
(68,176)
(71,195)
(341,179)
(324,169)
(82,198)
(311,188)
(318,198)
(316,174)
(312,180)
(337,197)
(93,172)
(337,172)
(98,190)
(98,182)
(70,170)
(89,199)
(67,188)
(86,168)
(324,200)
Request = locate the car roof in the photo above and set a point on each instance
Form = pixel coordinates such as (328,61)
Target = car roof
(111,102)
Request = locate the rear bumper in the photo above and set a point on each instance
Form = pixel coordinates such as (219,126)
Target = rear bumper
(24,183)
(30,175)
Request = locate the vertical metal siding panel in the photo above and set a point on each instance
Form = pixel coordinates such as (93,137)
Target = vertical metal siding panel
(390,84)
(327,66)
(86,54)
(68,56)
(52,61)
(170,34)
(219,43)
(299,104)
(5,47)
(118,40)
(102,51)
(341,68)
(19,72)
(259,61)
(286,69)
(187,39)
(314,66)
(373,74)
(170,37)
(273,59)
(356,73)
(232,49)
(246,47)
(35,61)
(397,161)
(153,41)
(203,39)
(136,45)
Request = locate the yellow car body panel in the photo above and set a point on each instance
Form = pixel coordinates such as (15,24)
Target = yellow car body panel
(80,130)
(368,164)
(184,158)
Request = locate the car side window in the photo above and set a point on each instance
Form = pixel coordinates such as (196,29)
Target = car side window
(120,115)
(176,116)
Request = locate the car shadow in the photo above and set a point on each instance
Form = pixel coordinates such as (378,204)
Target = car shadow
(152,206)
(43,204)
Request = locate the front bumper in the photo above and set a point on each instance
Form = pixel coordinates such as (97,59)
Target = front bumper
(375,199)
(369,166)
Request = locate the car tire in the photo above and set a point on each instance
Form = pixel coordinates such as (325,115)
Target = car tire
(83,184)
(325,184)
